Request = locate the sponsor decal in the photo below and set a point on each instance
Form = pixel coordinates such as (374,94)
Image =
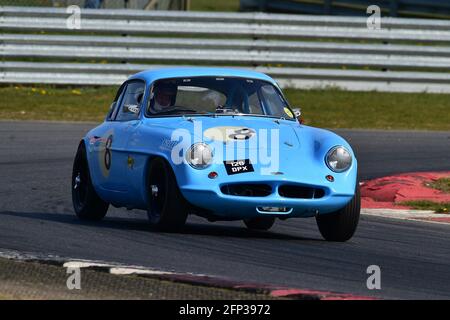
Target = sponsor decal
(288,112)
(130,162)
(168,144)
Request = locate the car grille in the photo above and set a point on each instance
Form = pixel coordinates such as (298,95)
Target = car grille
(264,190)
(300,192)
(247,190)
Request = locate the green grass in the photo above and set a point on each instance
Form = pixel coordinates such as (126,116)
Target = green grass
(45,3)
(208,5)
(196,5)
(377,110)
(51,103)
(442,184)
(323,108)
(442,207)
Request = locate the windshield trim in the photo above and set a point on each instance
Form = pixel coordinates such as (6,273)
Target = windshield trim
(150,116)
(216,115)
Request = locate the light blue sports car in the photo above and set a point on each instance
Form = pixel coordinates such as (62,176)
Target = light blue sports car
(220,143)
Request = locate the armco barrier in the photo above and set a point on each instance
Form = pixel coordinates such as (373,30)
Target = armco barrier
(411,55)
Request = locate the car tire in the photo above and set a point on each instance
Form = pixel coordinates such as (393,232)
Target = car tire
(86,203)
(341,225)
(167,207)
(260,223)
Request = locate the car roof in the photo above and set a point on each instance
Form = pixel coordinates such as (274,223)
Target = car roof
(177,72)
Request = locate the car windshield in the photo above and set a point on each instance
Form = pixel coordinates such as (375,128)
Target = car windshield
(217,96)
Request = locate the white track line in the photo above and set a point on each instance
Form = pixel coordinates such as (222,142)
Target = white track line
(113,268)
(138,271)
(86,264)
(416,215)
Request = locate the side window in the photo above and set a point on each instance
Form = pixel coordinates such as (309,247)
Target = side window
(114,105)
(130,104)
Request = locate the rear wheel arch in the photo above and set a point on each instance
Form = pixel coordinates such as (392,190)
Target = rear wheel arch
(86,202)
(83,144)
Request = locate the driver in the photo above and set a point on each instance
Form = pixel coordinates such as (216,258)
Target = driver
(165,94)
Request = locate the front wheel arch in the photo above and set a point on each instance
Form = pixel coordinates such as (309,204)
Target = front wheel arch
(341,225)
(171,212)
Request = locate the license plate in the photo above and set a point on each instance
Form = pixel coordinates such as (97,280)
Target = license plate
(238,166)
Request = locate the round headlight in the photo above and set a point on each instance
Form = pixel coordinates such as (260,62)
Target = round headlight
(338,159)
(199,156)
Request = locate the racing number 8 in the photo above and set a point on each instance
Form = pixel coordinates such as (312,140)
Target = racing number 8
(241,134)
(108,152)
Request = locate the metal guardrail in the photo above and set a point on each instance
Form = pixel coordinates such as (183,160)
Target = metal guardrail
(406,47)
(225,17)
(253,24)
(115,74)
(394,8)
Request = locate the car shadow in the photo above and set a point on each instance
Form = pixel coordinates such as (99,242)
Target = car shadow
(191,228)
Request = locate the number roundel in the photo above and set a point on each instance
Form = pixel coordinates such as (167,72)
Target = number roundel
(108,152)
(242,134)
(229,133)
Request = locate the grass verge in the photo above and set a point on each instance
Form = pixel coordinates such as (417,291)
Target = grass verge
(328,108)
(375,110)
(442,184)
(52,103)
(442,207)
(221,6)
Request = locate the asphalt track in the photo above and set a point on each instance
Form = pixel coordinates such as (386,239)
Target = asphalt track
(36,216)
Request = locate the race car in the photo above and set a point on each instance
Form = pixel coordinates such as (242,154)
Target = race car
(221,143)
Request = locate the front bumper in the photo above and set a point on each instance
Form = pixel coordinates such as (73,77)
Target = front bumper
(232,207)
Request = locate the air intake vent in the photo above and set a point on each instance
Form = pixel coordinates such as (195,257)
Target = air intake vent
(300,192)
(247,190)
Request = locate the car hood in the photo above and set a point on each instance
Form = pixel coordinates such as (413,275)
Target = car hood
(242,132)
(282,147)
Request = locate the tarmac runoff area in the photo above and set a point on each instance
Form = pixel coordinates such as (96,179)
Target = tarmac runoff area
(36,210)
(31,276)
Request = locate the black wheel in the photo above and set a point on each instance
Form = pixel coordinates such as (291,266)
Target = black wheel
(167,207)
(260,223)
(341,225)
(86,203)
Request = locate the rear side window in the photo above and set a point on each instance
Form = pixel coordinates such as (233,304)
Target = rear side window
(131,102)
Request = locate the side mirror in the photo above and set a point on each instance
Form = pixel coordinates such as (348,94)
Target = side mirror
(298,114)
